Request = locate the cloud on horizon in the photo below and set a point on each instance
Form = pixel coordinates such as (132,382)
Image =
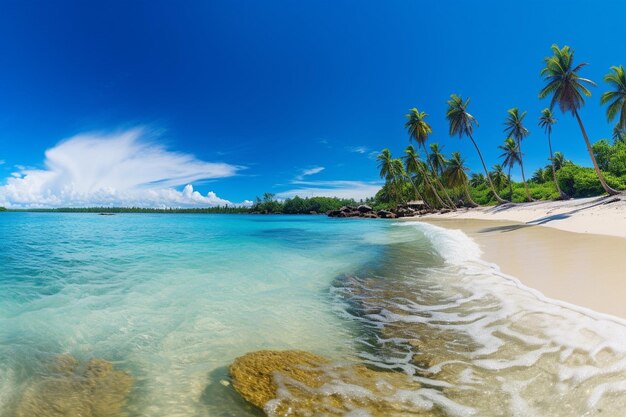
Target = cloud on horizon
(357,190)
(121,169)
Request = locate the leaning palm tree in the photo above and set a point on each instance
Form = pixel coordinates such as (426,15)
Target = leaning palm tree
(511,155)
(514,127)
(399,176)
(437,159)
(568,89)
(409,168)
(414,165)
(419,130)
(498,176)
(455,175)
(462,124)
(546,121)
(617,98)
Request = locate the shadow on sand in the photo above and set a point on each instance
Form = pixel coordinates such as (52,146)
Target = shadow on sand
(546,219)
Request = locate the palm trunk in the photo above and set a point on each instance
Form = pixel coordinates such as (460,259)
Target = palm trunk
(606,186)
(510,184)
(562,195)
(521,164)
(395,188)
(482,161)
(430,185)
(439,184)
(417,193)
(471,201)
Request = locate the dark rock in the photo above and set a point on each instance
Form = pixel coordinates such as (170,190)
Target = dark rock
(386,214)
(364,208)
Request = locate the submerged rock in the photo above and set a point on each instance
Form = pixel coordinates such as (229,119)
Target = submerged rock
(298,384)
(74,389)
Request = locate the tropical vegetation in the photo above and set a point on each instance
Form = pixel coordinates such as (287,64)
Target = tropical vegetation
(426,173)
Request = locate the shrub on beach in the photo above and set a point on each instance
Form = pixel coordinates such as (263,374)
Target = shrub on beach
(580,182)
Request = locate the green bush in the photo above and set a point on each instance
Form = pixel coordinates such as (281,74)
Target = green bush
(578,182)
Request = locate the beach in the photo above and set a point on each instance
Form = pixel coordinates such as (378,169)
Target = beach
(568,250)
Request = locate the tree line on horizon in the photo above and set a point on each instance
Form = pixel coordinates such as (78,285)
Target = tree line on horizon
(441,181)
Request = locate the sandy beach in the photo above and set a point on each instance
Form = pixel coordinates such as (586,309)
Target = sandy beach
(569,250)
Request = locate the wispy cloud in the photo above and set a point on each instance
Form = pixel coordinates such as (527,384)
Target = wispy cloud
(358,190)
(2,162)
(307,172)
(125,169)
(358,149)
(372,154)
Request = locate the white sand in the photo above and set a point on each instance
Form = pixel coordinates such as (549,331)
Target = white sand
(604,216)
(583,263)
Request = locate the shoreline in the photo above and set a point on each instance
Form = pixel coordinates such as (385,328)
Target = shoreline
(593,215)
(582,268)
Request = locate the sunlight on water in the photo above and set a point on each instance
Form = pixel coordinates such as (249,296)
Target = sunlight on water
(171,300)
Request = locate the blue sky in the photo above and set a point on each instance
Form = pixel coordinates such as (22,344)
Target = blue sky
(248,96)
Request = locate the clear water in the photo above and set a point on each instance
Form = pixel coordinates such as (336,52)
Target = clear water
(173,299)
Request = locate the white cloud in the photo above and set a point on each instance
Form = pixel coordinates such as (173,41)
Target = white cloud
(373,155)
(123,169)
(311,171)
(358,190)
(358,149)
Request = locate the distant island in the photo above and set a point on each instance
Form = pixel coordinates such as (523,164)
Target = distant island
(267,204)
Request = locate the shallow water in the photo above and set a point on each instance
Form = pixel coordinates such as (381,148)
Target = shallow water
(173,299)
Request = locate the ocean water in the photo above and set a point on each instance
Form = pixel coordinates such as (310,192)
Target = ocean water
(173,299)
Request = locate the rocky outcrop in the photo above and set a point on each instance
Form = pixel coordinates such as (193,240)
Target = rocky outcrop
(367,212)
(69,388)
(299,384)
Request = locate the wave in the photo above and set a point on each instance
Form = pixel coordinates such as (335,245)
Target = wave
(482,341)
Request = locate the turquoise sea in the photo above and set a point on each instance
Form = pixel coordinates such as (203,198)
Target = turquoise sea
(173,299)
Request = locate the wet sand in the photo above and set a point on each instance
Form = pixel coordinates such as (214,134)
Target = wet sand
(580,268)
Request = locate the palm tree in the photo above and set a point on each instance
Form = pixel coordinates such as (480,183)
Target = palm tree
(400,175)
(477,179)
(437,159)
(616,98)
(455,175)
(568,90)
(546,121)
(559,160)
(462,124)
(498,176)
(388,170)
(619,134)
(511,155)
(411,166)
(419,130)
(514,127)
(414,165)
